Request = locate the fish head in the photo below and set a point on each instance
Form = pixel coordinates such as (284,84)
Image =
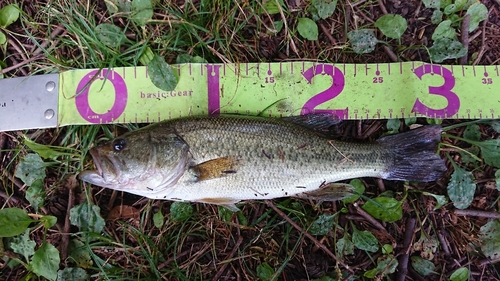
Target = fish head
(141,162)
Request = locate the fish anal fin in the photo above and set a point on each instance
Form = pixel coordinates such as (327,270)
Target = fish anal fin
(231,207)
(329,192)
(228,203)
(215,168)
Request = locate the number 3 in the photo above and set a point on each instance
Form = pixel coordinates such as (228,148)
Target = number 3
(444,90)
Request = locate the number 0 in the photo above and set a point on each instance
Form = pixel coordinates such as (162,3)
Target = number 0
(82,98)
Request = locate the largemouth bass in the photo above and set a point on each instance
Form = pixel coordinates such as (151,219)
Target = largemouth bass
(224,160)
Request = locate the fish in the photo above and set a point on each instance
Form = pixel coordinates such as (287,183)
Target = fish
(226,159)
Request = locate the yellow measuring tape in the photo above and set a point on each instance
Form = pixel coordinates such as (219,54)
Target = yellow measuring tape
(349,91)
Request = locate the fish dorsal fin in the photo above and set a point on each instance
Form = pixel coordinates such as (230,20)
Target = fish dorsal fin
(215,168)
(319,122)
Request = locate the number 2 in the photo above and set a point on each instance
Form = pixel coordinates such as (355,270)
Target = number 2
(335,89)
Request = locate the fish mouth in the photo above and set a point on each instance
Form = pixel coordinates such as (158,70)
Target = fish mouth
(97,160)
(105,174)
(107,167)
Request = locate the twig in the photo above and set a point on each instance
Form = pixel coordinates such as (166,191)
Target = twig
(172,259)
(415,275)
(315,241)
(477,213)
(219,55)
(233,252)
(67,223)
(3,139)
(489,261)
(112,200)
(327,34)
(7,197)
(465,37)
(359,127)
(417,11)
(346,158)
(5,70)
(367,18)
(475,35)
(368,217)
(404,257)
(444,243)
(287,32)
(22,70)
(392,56)
(37,49)
(380,184)
(354,217)
(18,49)
(382,7)
(483,45)
(357,3)
(371,130)
(17,182)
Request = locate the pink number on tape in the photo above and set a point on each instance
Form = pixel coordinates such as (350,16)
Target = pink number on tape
(338,83)
(444,90)
(82,98)
(213,89)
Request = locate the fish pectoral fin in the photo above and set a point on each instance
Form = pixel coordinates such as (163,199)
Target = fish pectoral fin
(329,192)
(228,203)
(215,168)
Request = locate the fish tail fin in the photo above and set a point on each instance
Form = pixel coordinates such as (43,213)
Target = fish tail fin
(414,153)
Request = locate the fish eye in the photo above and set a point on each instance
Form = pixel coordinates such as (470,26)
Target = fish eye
(119,144)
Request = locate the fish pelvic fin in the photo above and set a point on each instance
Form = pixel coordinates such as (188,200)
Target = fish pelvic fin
(228,203)
(329,192)
(215,168)
(414,154)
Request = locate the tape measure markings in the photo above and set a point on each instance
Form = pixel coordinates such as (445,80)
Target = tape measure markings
(321,96)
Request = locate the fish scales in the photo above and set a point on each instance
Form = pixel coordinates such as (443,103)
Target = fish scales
(277,158)
(226,159)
